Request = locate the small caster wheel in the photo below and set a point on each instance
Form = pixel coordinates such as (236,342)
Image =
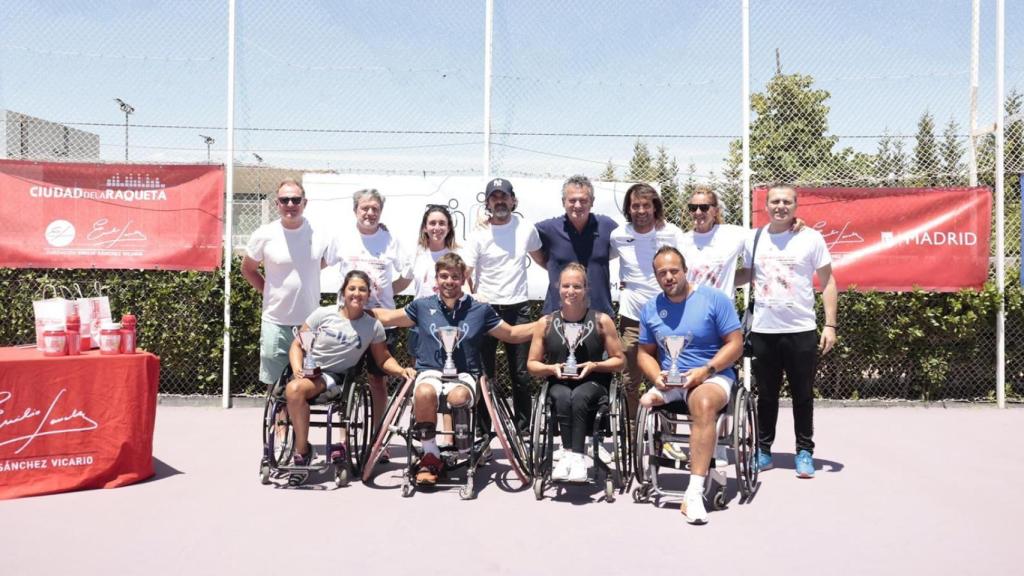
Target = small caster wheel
(609,490)
(341,476)
(719,500)
(265,474)
(407,490)
(538,488)
(638,495)
(466,492)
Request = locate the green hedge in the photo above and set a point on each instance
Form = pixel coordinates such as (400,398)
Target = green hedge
(915,345)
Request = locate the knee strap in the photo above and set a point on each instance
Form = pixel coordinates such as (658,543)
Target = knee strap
(424,431)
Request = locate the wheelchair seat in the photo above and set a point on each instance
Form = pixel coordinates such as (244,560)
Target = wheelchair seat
(329,396)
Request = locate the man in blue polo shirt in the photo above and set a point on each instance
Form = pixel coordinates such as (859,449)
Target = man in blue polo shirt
(449,307)
(578,236)
(706,317)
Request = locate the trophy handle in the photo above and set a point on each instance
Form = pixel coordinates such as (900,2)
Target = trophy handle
(463,331)
(433,334)
(588,328)
(556,323)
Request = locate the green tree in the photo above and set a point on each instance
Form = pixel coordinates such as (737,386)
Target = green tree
(732,189)
(666,173)
(926,156)
(789,134)
(609,173)
(641,166)
(890,161)
(952,153)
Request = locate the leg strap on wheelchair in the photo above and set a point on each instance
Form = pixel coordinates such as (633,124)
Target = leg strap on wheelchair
(424,431)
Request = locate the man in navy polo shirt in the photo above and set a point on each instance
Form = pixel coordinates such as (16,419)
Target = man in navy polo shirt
(449,307)
(578,236)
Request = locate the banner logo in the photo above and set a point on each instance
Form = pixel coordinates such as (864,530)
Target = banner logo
(60,233)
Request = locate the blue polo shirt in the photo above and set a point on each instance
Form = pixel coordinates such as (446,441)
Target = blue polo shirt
(563,244)
(708,315)
(475,318)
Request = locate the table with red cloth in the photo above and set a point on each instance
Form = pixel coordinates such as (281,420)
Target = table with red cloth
(75,422)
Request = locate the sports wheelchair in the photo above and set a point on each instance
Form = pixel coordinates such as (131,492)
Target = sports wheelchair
(344,407)
(736,427)
(610,429)
(399,419)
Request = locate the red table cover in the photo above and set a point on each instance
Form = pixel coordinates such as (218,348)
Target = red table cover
(75,422)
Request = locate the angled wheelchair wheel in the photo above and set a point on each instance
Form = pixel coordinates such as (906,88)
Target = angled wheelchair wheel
(744,441)
(396,406)
(621,438)
(542,441)
(642,447)
(359,424)
(505,429)
(278,435)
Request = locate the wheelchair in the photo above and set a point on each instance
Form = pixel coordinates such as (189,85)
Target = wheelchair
(736,427)
(400,420)
(344,407)
(610,429)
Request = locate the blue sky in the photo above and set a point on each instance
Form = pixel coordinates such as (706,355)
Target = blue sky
(362,78)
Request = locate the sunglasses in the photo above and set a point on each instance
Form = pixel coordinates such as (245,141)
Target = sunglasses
(701,207)
(293,200)
(436,207)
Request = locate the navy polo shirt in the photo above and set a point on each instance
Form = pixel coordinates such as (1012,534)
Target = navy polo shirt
(563,244)
(475,318)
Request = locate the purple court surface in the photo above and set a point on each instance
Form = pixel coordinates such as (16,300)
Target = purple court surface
(906,490)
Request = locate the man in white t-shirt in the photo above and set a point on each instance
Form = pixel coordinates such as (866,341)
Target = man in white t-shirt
(371,248)
(635,244)
(497,256)
(784,334)
(292,255)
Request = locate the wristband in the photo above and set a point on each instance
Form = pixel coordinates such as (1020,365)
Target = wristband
(832,326)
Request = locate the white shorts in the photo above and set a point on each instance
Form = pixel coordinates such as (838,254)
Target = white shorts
(329,379)
(445,385)
(677,393)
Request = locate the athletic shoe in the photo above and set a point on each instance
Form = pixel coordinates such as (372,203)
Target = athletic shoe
(558,454)
(602,453)
(721,457)
(577,468)
(692,508)
(804,464)
(429,469)
(763,461)
(676,450)
(338,452)
(303,460)
(561,470)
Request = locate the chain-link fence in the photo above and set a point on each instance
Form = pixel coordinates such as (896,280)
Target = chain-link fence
(864,94)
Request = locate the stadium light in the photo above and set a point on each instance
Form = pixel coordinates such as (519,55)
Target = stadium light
(128,109)
(209,141)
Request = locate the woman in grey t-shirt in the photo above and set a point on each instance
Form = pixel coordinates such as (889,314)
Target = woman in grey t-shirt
(343,335)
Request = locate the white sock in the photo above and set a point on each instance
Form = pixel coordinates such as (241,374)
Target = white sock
(696,484)
(430,447)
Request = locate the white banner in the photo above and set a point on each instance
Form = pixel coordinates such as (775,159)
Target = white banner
(406,198)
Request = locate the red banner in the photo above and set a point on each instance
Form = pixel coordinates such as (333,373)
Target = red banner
(898,239)
(67,215)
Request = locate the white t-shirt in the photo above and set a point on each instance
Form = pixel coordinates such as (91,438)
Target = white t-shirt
(377,254)
(784,279)
(636,264)
(499,255)
(711,256)
(424,277)
(291,268)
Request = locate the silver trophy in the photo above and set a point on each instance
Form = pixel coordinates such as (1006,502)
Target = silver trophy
(306,340)
(449,338)
(572,333)
(674,346)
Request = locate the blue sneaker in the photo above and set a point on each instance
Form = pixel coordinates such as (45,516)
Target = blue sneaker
(804,464)
(764,460)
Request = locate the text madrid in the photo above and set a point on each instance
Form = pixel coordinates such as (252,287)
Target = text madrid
(108,194)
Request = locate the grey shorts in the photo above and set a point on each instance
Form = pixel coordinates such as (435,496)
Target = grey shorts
(275,341)
(443,385)
(676,393)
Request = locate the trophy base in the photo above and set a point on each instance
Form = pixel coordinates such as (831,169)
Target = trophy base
(677,382)
(453,373)
(310,372)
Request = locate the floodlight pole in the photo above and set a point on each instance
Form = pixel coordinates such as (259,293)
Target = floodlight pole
(209,140)
(488,50)
(229,208)
(745,190)
(128,109)
(1000,201)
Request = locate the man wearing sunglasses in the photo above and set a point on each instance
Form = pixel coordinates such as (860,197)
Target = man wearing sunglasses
(497,256)
(292,254)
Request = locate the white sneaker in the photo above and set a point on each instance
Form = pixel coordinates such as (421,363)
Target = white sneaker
(721,457)
(558,454)
(675,450)
(577,468)
(602,453)
(693,509)
(561,469)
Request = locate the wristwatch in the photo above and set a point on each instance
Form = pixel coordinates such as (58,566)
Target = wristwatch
(711,369)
